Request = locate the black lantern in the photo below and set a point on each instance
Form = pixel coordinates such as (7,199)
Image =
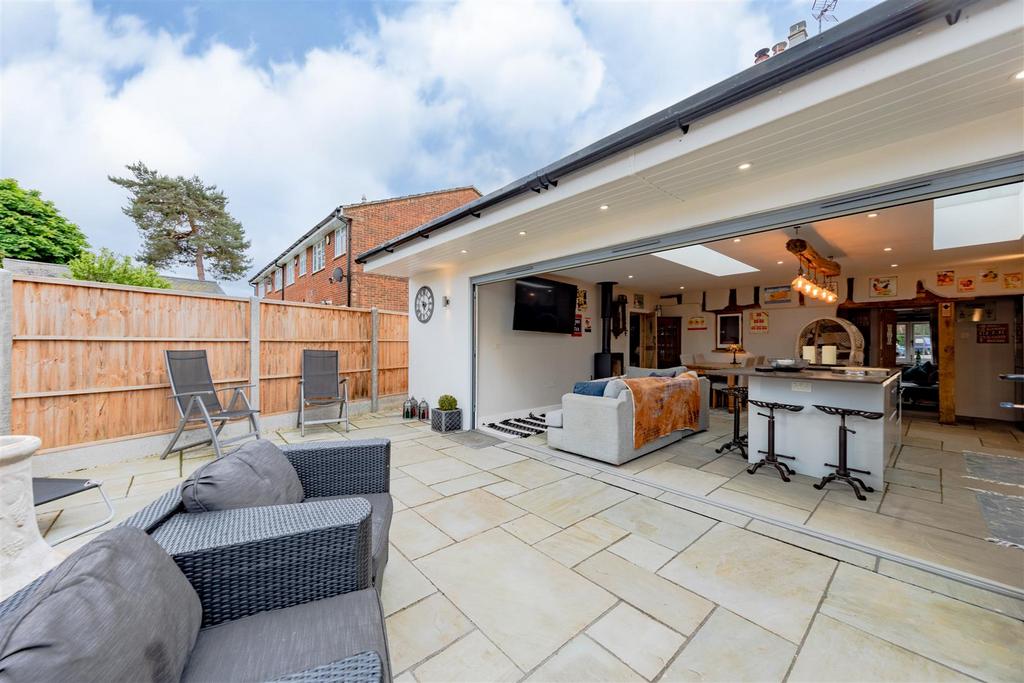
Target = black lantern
(409,409)
(424,411)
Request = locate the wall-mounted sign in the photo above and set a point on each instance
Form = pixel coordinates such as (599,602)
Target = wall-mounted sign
(945,278)
(577,327)
(776,295)
(581,299)
(696,323)
(1013,280)
(989,275)
(758,322)
(965,284)
(883,287)
(587,327)
(993,333)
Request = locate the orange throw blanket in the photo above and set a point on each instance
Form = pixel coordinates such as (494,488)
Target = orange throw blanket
(662,405)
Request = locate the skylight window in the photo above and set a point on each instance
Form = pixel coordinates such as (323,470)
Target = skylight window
(706,260)
(980,217)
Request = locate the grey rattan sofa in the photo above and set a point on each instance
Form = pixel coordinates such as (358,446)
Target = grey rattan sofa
(285,594)
(327,470)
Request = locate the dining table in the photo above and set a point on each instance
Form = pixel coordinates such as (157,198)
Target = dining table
(722,369)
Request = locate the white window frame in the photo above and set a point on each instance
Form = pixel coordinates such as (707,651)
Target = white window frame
(319,251)
(340,241)
(302,263)
(289,273)
(268,286)
(277,280)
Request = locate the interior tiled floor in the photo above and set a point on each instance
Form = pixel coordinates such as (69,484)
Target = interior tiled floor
(510,562)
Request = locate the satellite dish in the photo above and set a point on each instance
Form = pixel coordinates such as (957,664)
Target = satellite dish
(337,275)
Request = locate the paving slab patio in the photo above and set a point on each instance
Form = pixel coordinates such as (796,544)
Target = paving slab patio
(576,578)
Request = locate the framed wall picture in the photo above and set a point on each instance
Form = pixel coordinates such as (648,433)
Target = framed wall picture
(989,275)
(883,287)
(965,285)
(781,294)
(945,278)
(1013,280)
(759,322)
(696,323)
(638,301)
(729,330)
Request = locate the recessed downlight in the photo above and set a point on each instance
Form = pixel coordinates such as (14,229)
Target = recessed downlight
(603,207)
(887,249)
(522,232)
(744,166)
(1019,76)
(630,277)
(778,263)
(872,215)
(737,240)
(683,287)
(894,265)
(464,251)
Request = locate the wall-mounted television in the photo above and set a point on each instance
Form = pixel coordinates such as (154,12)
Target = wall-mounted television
(544,306)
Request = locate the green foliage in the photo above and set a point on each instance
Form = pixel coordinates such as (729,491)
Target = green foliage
(32,228)
(110,267)
(447,402)
(183,220)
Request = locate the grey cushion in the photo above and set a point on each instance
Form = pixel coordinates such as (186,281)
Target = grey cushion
(667,372)
(271,644)
(117,609)
(256,474)
(614,388)
(381,507)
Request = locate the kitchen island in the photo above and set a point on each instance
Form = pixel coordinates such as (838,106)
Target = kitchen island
(810,435)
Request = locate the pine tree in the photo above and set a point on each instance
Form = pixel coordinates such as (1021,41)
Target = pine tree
(183,220)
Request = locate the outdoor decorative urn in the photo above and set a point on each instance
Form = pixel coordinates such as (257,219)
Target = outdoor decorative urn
(24,555)
(447,416)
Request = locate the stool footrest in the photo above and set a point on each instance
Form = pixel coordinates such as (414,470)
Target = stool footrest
(779,455)
(849,469)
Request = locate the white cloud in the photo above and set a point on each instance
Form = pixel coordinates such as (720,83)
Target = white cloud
(434,95)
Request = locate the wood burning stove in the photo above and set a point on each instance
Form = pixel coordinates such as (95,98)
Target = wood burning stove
(606,363)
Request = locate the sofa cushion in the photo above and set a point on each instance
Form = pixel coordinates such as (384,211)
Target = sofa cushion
(116,609)
(554,418)
(273,644)
(256,474)
(592,388)
(381,507)
(667,372)
(614,388)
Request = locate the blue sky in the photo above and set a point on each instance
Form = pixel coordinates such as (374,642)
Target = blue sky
(293,108)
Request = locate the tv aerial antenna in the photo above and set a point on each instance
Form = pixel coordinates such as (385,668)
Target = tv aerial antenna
(824,11)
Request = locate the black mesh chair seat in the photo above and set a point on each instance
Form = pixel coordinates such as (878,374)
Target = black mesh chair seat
(198,400)
(320,386)
(48,489)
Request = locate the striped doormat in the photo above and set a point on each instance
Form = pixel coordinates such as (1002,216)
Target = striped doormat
(521,427)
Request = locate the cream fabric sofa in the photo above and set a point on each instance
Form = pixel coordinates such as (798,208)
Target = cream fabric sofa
(602,427)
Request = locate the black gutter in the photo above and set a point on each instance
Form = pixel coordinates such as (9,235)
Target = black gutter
(871,27)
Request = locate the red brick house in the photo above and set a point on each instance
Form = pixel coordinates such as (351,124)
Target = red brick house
(306,270)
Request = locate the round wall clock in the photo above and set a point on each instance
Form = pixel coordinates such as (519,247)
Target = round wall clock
(424,304)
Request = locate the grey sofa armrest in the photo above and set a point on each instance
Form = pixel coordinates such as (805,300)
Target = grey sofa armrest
(342,468)
(250,560)
(364,667)
(157,512)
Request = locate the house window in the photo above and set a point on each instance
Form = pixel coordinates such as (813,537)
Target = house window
(289,273)
(318,256)
(340,241)
(267,288)
(277,279)
(302,262)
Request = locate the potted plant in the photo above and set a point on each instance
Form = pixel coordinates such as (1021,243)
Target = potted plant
(447,416)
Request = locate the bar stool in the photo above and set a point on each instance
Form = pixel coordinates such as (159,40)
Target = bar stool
(739,441)
(770,456)
(843,471)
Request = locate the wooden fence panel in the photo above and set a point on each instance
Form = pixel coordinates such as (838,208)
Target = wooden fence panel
(87,358)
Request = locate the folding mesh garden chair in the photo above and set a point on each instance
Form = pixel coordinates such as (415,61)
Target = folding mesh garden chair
(48,489)
(198,401)
(319,386)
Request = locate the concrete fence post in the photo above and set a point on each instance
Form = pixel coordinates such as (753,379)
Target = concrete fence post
(6,346)
(374,358)
(254,352)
